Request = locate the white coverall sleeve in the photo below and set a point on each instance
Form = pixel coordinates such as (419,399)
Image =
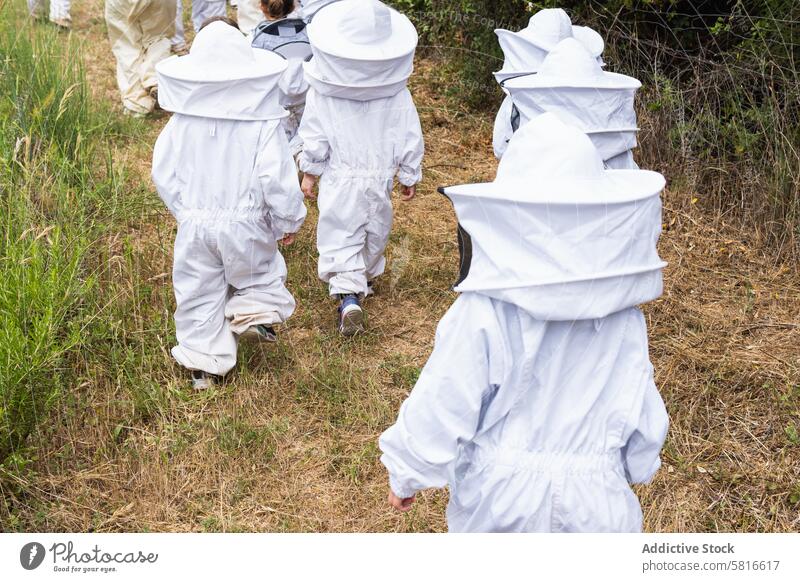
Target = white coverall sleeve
(165,163)
(316,148)
(410,171)
(502,128)
(277,175)
(444,408)
(293,81)
(641,454)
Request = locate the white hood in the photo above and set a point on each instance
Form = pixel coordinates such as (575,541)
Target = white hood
(572,85)
(525,51)
(362,50)
(222,77)
(555,233)
(309,8)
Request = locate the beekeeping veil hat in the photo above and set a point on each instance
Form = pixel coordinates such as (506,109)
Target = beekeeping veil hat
(556,233)
(222,77)
(310,8)
(362,50)
(525,50)
(572,85)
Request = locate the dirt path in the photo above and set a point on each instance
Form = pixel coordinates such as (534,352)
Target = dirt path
(289,443)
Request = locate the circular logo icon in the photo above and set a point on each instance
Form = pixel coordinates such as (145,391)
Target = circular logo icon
(31,555)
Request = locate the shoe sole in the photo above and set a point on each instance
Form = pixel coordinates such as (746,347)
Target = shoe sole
(352,323)
(254,336)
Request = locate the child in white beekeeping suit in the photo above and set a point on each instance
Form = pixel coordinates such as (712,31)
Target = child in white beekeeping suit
(284,32)
(360,129)
(538,405)
(250,12)
(202,10)
(524,52)
(571,84)
(223,168)
(59,11)
(140,32)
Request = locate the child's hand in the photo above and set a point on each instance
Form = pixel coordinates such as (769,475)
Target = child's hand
(402,505)
(408,192)
(288,239)
(307,186)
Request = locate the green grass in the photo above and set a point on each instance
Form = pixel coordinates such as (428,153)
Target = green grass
(59,194)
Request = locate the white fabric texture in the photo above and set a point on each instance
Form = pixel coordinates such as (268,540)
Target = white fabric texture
(538,405)
(202,10)
(223,77)
(358,147)
(293,84)
(309,8)
(580,240)
(573,86)
(536,426)
(524,53)
(59,9)
(232,186)
(525,50)
(362,50)
(178,39)
(139,32)
(248,15)
(503,127)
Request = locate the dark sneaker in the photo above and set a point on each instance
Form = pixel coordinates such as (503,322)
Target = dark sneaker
(260,333)
(351,316)
(62,23)
(153,92)
(203,380)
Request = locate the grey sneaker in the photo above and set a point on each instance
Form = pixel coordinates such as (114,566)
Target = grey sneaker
(260,333)
(203,380)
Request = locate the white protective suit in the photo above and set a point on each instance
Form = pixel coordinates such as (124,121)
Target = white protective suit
(248,15)
(140,32)
(525,51)
(59,10)
(309,8)
(202,10)
(178,40)
(222,166)
(291,42)
(360,129)
(538,405)
(572,85)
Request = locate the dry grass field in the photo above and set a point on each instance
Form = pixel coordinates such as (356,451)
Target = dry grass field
(288,443)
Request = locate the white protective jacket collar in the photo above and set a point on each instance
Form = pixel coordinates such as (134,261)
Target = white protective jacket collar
(222,77)
(362,50)
(524,51)
(556,233)
(572,85)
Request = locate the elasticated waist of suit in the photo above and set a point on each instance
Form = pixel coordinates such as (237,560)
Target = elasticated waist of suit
(221,214)
(367,173)
(552,462)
